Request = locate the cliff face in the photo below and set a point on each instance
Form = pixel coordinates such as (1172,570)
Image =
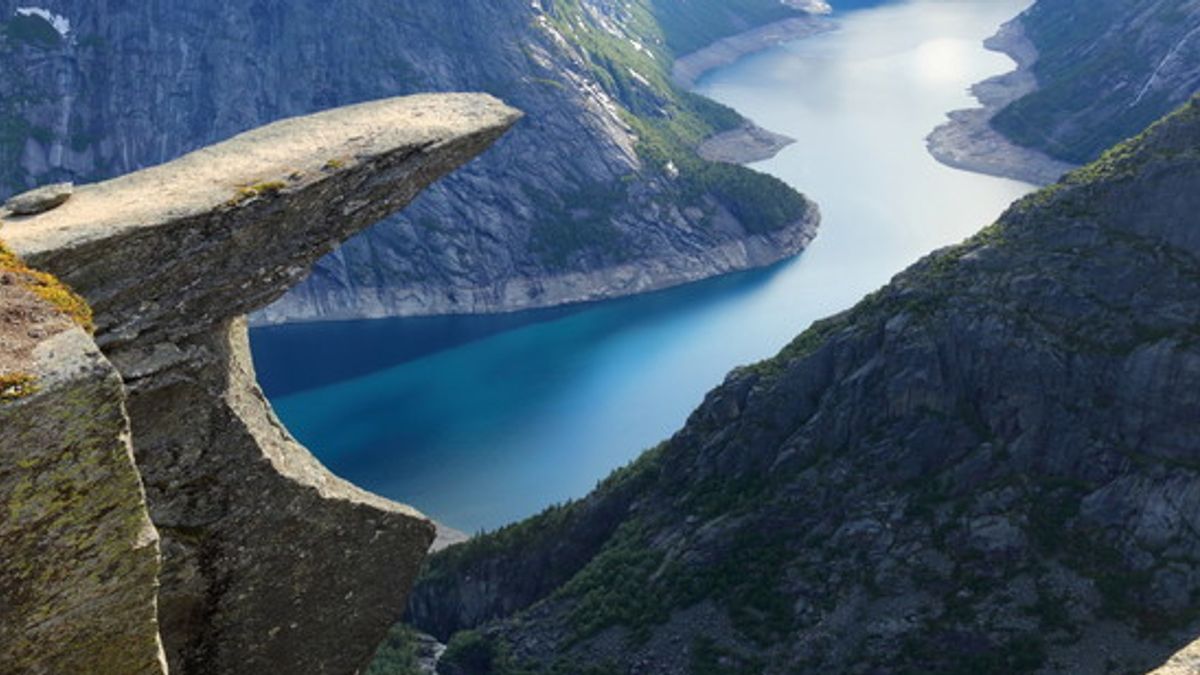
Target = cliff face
(81,559)
(269,562)
(990,465)
(1104,71)
(598,193)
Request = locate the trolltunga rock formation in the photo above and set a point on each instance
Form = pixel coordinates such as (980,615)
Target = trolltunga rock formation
(269,562)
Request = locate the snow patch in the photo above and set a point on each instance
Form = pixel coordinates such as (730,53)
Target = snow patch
(60,23)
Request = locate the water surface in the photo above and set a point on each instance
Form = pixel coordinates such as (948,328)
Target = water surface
(480,421)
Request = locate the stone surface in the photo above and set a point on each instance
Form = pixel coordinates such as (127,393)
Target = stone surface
(1105,70)
(79,557)
(40,200)
(135,86)
(968,140)
(1186,662)
(744,145)
(992,464)
(270,563)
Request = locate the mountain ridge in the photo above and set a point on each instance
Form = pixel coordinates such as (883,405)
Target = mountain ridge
(984,463)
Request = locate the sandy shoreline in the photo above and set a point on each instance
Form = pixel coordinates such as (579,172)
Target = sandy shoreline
(968,141)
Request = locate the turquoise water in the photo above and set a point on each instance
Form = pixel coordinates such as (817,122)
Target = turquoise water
(480,421)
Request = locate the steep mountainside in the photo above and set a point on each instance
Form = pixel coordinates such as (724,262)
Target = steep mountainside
(1105,69)
(992,465)
(597,193)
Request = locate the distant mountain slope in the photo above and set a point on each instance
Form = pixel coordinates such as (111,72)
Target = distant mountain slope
(1106,69)
(992,465)
(597,193)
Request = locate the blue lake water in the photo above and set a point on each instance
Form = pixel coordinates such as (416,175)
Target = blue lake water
(480,421)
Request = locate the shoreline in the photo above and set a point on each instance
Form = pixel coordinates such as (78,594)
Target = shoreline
(967,140)
(749,142)
(689,68)
(637,277)
(743,145)
(746,144)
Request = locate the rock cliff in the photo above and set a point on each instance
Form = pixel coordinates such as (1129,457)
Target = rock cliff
(1104,71)
(988,466)
(269,562)
(81,558)
(598,193)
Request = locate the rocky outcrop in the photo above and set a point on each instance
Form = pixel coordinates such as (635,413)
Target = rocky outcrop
(988,466)
(80,557)
(269,562)
(568,207)
(968,140)
(1104,71)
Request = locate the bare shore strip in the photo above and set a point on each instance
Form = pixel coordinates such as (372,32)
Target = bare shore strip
(688,69)
(750,142)
(968,140)
(744,145)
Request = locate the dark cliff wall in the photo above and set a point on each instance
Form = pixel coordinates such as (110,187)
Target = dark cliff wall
(597,193)
(988,466)
(1105,70)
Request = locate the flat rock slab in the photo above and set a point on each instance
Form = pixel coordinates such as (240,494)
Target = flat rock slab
(42,199)
(227,229)
(286,156)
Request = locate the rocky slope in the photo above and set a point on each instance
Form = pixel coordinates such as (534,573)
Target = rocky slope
(988,466)
(81,558)
(1104,71)
(269,562)
(969,141)
(597,193)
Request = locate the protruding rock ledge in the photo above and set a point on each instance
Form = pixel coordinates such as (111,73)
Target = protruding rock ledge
(270,563)
(227,229)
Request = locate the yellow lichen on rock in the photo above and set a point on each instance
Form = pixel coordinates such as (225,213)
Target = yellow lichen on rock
(15,386)
(247,192)
(48,288)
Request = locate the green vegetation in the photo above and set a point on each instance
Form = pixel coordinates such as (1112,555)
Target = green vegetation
(614,588)
(473,653)
(1085,69)
(398,653)
(670,123)
(15,386)
(246,193)
(48,288)
(578,222)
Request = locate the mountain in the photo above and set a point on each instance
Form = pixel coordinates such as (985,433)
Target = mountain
(988,466)
(1105,69)
(598,193)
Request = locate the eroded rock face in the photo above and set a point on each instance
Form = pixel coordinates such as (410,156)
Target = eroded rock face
(987,466)
(78,556)
(270,563)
